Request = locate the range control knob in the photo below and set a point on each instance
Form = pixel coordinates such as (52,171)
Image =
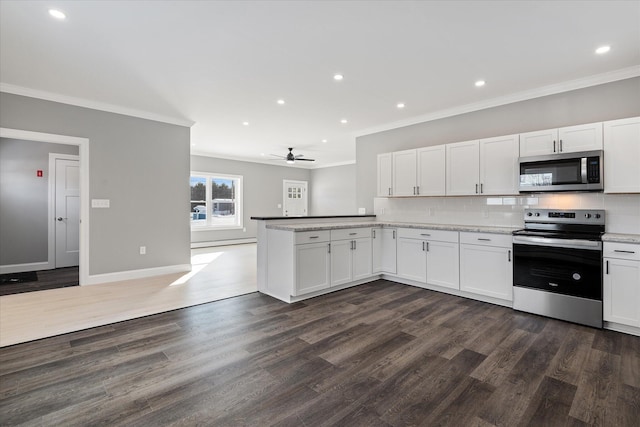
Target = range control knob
(587,216)
(537,213)
(529,214)
(598,215)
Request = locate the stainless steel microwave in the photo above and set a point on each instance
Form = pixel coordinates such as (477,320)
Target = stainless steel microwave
(562,172)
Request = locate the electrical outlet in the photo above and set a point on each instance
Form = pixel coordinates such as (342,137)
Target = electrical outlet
(143,250)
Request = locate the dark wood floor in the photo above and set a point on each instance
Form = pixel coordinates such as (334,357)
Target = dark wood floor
(47,279)
(378,354)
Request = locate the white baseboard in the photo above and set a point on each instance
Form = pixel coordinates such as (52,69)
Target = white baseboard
(21,268)
(195,245)
(119,276)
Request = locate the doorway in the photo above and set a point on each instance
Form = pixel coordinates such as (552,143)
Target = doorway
(295,198)
(78,196)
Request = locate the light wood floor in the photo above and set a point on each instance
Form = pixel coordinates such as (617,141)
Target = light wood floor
(380,354)
(217,273)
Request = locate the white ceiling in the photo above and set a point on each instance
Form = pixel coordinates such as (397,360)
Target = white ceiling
(219,63)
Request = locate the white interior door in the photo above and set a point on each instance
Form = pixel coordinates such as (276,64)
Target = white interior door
(295,198)
(67,212)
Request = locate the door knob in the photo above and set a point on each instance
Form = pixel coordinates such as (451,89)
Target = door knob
(60,218)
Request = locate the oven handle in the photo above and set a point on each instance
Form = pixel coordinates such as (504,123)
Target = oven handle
(558,243)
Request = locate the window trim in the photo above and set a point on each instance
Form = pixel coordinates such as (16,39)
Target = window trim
(239,193)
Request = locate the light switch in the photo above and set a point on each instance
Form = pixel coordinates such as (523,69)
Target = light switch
(99,203)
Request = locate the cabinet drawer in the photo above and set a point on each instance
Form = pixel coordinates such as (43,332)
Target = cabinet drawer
(426,234)
(312,236)
(486,239)
(621,250)
(350,233)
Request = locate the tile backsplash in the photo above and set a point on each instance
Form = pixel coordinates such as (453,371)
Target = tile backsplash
(622,210)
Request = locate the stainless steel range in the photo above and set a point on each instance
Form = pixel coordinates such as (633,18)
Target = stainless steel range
(557,269)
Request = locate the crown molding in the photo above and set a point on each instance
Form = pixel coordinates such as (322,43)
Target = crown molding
(598,79)
(94,105)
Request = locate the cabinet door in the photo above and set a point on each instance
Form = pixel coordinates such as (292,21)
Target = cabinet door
(580,138)
(499,171)
(385,177)
(412,259)
(621,296)
(443,265)
(312,268)
(622,156)
(341,262)
(361,259)
(431,171)
(486,270)
(389,250)
(377,250)
(404,173)
(463,168)
(539,143)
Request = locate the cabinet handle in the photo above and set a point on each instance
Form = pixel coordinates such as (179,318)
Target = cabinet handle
(329,245)
(389,190)
(509,259)
(351,245)
(418,190)
(355,245)
(607,266)
(374,233)
(394,234)
(561,146)
(476,188)
(427,246)
(352,234)
(484,240)
(423,246)
(414,191)
(481,190)
(554,146)
(624,252)
(313,237)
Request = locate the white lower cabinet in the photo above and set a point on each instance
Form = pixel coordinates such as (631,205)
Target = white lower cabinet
(621,296)
(428,256)
(312,268)
(351,255)
(384,249)
(486,266)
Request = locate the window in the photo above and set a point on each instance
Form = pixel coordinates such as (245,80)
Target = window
(216,201)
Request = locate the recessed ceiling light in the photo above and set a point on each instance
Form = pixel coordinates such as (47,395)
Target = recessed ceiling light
(280,101)
(245,123)
(603,49)
(343,121)
(400,105)
(57,14)
(324,141)
(338,77)
(480,83)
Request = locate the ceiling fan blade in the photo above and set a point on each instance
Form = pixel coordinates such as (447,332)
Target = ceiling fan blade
(279,157)
(305,160)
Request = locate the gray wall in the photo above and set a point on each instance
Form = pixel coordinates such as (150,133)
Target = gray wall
(141,165)
(262,191)
(598,103)
(333,191)
(24,199)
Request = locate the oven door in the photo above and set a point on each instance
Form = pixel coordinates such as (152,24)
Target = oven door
(562,266)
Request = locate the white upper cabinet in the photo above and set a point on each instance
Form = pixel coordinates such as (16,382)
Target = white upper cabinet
(385,174)
(568,139)
(463,168)
(404,173)
(488,166)
(431,171)
(622,156)
(499,165)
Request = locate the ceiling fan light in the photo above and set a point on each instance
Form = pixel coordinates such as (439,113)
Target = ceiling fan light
(291,161)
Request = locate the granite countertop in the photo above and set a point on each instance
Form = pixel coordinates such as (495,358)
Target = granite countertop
(621,238)
(264,218)
(361,224)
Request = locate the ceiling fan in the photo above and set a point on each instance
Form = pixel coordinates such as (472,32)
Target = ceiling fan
(290,158)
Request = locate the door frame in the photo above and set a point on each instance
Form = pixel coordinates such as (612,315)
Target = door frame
(83,151)
(284,194)
(51,224)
